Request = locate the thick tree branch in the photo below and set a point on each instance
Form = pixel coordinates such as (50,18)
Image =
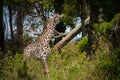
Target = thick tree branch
(67,38)
(70,36)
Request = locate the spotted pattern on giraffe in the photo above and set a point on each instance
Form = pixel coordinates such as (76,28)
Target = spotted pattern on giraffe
(41,48)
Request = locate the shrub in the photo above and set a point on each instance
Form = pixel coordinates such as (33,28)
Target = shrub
(69,65)
(83,44)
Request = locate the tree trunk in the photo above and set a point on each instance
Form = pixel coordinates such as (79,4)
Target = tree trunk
(19,28)
(94,12)
(67,38)
(10,20)
(2,43)
(84,15)
(115,34)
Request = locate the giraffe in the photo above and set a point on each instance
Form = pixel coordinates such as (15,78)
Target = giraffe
(41,48)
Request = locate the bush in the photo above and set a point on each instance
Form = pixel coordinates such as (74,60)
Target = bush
(107,67)
(69,65)
(83,44)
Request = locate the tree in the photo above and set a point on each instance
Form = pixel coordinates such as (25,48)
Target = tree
(19,9)
(10,20)
(94,13)
(84,9)
(84,14)
(71,13)
(19,27)
(2,42)
(94,18)
(58,46)
(115,32)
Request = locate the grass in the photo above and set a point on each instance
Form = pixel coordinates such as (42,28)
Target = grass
(70,64)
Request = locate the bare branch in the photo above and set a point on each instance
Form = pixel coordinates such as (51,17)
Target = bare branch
(58,46)
(57,32)
(60,35)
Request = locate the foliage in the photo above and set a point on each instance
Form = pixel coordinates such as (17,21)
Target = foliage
(117,16)
(82,44)
(108,11)
(105,28)
(70,11)
(108,66)
(27,39)
(12,67)
(69,65)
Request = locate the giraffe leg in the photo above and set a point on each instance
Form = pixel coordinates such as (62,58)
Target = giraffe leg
(25,57)
(46,70)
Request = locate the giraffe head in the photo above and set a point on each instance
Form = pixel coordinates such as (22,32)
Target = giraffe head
(57,18)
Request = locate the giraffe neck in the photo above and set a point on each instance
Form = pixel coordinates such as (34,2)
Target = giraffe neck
(49,31)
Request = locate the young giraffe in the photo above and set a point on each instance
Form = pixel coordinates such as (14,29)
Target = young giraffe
(41,48)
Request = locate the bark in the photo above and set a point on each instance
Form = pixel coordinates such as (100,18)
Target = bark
(58,46)
(115,34)
(10,20)
(67,38)
(94,12)
(2,43)
(84,14)
(19,28)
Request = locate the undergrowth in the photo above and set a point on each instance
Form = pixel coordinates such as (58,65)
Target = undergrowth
(70,64)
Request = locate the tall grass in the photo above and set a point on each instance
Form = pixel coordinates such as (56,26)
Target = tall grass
(70,64)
